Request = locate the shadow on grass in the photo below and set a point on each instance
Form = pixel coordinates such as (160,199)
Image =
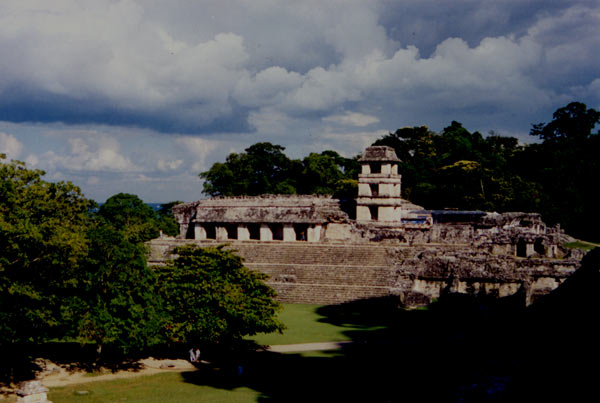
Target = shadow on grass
(462,348)
(22,361)
(453,350)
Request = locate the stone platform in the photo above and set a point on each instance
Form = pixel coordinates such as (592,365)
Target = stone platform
(333,273)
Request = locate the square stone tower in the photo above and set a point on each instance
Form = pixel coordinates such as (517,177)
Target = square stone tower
(379,187)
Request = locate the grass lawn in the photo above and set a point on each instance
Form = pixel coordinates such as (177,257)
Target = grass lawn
(166,387)
(304,325)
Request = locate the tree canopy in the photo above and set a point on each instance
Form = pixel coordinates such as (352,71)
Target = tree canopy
(210,296)
(264,169)
(566,167)
(135,219)
(43,244)
(69,269)
(459,169)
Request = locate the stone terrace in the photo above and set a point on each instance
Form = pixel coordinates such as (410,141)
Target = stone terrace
(313,273)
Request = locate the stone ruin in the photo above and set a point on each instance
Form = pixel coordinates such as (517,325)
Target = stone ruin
(32,392)
(315,252)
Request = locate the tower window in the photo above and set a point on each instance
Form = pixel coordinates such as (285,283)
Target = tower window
(375,167)
(374,189)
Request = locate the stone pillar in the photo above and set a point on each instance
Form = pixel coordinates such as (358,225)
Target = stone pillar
(363,213)
(221,233)
(530,250)
(265,233)
(314,233)
(364,189)
(386,189)
(243,234)
(199,231)
(386,168)
(389,213)
(289,234)
(183,227)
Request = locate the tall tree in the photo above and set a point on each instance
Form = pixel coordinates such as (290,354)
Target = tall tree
(118,306)
(566,166)
(570,123)
(42,245)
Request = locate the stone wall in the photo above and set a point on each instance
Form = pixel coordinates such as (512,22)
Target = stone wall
(415,274)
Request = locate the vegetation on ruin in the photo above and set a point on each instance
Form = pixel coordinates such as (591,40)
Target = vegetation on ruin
(455,168)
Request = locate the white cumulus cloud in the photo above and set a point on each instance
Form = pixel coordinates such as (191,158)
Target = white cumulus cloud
(100,153)
(352,119)
(10,146)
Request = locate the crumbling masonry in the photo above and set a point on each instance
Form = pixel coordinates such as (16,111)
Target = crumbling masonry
(315,253)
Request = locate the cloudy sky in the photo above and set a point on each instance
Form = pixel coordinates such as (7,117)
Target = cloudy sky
(139,96)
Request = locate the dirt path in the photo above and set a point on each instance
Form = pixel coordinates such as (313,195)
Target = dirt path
(56,376)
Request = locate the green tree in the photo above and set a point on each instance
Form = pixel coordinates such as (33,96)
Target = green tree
(137,220)
(43,244)
(210,296)
(329,173)
(262,169)
(320,174)
(166,221)
(129,214)
(457,168)
(416,149)
(570,123)
(118,306)
(566,166)
(265,169)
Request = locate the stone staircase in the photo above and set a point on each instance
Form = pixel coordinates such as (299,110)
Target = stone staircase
(333,273)
(313,273)
(321,273)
